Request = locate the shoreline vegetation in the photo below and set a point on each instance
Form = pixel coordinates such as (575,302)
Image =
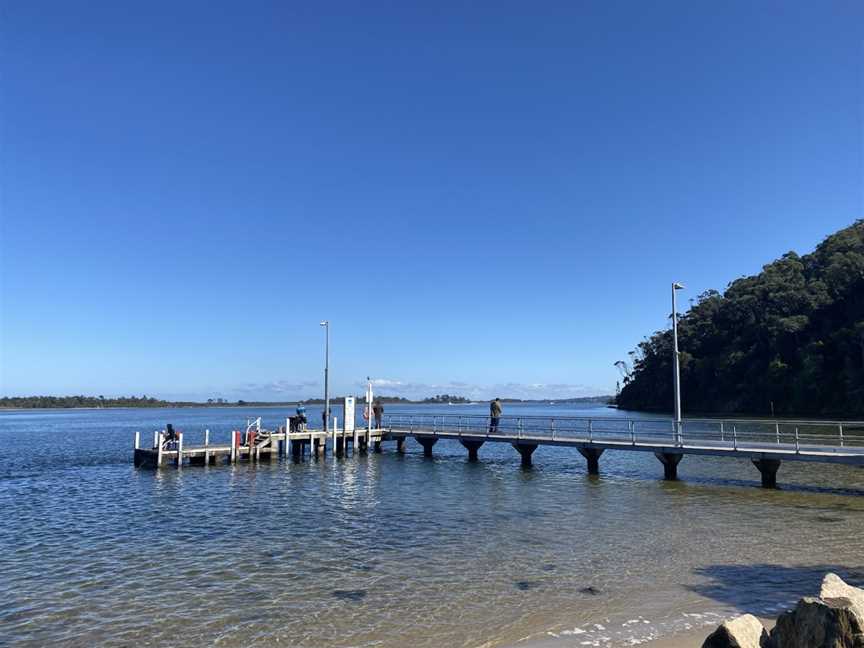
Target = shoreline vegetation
(786,342)
(143,402)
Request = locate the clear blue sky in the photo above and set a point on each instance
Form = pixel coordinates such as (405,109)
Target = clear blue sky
(483,198)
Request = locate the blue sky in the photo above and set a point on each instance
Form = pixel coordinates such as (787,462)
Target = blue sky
(484,198)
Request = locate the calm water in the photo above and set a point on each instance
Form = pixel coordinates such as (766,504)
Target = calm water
(390,550)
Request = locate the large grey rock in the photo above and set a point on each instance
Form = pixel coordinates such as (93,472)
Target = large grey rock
(833,587)
(819,623)
(745,631)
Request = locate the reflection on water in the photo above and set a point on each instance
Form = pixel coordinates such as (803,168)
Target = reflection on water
(392,550)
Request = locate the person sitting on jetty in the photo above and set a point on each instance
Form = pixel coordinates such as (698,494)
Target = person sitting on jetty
(297,422)
(378,411)
(494,415)
(170,437)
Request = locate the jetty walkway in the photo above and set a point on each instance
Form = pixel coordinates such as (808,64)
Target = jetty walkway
(767,443)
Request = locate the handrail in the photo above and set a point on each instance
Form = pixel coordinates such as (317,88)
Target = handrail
(734,434)
(772,421)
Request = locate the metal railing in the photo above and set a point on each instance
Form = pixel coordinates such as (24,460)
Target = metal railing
(800,436)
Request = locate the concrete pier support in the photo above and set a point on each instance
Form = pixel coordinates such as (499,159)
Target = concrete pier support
(670,464)
(427,443)
(592,455)
(525,450)
(340,446)
(400,444)
(376,447)
(768,468)
(472,447)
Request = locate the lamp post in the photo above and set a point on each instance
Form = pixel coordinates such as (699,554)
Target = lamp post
(326,325)
(676,369)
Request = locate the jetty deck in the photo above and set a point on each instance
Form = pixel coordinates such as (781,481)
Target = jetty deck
(767,443)
(256,443)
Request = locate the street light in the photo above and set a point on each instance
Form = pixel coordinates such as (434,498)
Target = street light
(676,370)
(326,325)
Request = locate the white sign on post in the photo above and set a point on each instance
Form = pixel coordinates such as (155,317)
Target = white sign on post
(348,415)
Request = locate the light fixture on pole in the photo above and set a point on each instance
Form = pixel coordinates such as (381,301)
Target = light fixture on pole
(676,369)
(326,325)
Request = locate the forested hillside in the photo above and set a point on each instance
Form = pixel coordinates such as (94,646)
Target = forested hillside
(792,335)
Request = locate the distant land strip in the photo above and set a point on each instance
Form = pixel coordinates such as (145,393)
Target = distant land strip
(99,402)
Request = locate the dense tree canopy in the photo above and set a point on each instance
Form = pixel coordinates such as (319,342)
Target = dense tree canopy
(791,336)
(30,402)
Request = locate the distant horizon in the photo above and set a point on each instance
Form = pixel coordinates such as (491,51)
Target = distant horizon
(313,399)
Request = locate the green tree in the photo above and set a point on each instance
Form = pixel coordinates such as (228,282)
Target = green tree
(793,335)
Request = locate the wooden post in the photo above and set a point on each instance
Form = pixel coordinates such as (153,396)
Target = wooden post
(207,447)
(335,427)
(179,449)
(159,448)
(233,457)
(137,440)
(155,438)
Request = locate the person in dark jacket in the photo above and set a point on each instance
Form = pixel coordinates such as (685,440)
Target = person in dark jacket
(494,415)
(378,411)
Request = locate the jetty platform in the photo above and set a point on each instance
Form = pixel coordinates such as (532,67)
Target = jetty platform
(766,443)
(255,443)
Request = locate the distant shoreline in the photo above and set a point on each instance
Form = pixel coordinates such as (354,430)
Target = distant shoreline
(145,404)
(334,402)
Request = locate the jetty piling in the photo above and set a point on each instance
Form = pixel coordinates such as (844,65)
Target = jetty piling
(670,463)
(526,451)
(592,456)
(472,446)
(428,442)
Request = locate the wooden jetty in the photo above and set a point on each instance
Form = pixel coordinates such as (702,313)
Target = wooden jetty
(255,443)
(766,443)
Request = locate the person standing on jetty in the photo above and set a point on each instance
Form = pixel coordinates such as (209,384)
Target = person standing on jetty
(378,411)
(494,415)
